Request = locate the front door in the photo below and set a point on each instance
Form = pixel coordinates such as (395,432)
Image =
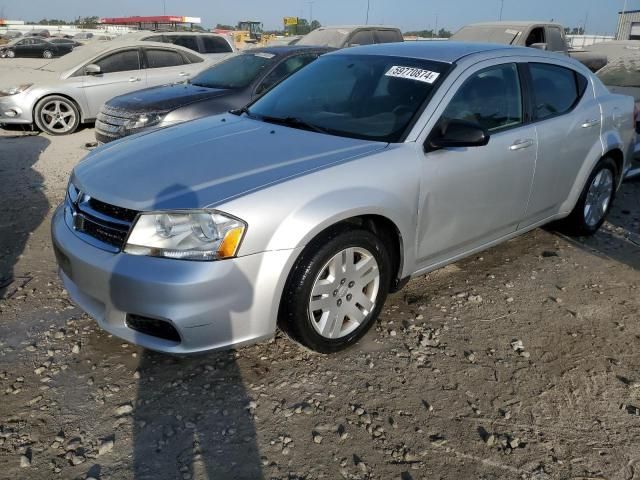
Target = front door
(120,72)
(472,196)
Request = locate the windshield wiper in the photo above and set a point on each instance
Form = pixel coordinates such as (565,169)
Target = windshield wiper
(293,122)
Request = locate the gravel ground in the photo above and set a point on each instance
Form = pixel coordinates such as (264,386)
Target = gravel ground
(522,362)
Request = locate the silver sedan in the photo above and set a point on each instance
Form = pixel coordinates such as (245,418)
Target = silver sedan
(304,209)
(71,90)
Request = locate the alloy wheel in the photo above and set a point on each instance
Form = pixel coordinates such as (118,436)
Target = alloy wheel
(344,293)
(598,197)
(58,116)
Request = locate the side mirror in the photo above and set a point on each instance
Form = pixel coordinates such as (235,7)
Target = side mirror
(92,69)
(539,46)
(457,133)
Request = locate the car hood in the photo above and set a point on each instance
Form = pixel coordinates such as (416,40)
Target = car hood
(205,162)
(631,91)
(165,98)
(21,75)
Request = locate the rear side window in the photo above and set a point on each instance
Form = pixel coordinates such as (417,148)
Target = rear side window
(556,90)
(192,57)
(120,62)
(555,41)
(156,38)
(159,58)
(491,98)
(363,37)
(187,41)
(215,45)
(387,36)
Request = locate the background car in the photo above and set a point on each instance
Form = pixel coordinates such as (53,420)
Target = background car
(65,41)
(35,47)
(68,91)
(39,33)
(228,85)
(351,36)
(83,36)
(622,75)
(207,44)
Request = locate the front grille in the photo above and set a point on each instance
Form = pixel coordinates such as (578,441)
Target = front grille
(154,327)
(104,222)
(109,123)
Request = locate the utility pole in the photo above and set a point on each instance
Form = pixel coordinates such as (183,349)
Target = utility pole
(435,30)
(501,8)
(164,7)
(368,5)
(624,8)
(310,14)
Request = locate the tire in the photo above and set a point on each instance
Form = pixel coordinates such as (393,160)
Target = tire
(47,54)
(595,201)
(11,54)
(358,296)
(57,115)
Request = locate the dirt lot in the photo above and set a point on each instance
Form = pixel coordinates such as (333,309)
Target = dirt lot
(519,363)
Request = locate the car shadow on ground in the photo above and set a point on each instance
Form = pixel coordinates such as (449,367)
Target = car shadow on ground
(619,237)
(193,416)
(24,203)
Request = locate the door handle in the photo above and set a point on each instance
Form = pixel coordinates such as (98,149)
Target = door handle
(184,74)
(521,144)
(590,123)
(134,79)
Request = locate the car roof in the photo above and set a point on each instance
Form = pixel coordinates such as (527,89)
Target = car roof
(90,50)
(509,23)
(284,50)
(441,51)
(356,27)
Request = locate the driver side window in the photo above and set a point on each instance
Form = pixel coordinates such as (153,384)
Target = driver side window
(120,62)
(491,98)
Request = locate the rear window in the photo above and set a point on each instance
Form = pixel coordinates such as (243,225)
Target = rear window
(215,45)
(363,37)
(388,36)
(556,89)
(159,58)
(490,34)
(236,72)
(187,41)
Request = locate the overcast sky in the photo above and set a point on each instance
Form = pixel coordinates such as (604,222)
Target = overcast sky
(600,15)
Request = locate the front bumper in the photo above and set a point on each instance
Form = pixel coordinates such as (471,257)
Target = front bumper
(212,305)
(14,111)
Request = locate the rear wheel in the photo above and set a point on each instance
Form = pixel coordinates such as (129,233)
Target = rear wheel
(336,290)
(595,201)
(57,115)
(47,54)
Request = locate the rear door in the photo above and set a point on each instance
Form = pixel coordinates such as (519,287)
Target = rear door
(120,72)
(567,119)
(166,65)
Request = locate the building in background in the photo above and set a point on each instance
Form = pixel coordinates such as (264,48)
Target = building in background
(628,25)
(172,22)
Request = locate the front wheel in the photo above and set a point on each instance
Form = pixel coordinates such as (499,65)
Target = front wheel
(11,54)
(57,115)
(336,290)
(595,201)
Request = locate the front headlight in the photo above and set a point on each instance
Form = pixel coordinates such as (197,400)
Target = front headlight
(15,90)
(186,235)
(143,120)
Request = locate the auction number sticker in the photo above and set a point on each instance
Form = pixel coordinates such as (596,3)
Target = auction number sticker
(412,73)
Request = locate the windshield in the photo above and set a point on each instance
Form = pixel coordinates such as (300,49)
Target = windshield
(359,96)
(495,34)
(625,72)
(236,72)
(325,37)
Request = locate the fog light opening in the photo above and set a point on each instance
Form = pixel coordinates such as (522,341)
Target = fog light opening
(11,113)
(153,327)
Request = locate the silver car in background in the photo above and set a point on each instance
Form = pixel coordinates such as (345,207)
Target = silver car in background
(60,95)
(367,167)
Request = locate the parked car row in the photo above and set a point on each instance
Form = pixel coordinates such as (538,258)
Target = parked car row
(306,206)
